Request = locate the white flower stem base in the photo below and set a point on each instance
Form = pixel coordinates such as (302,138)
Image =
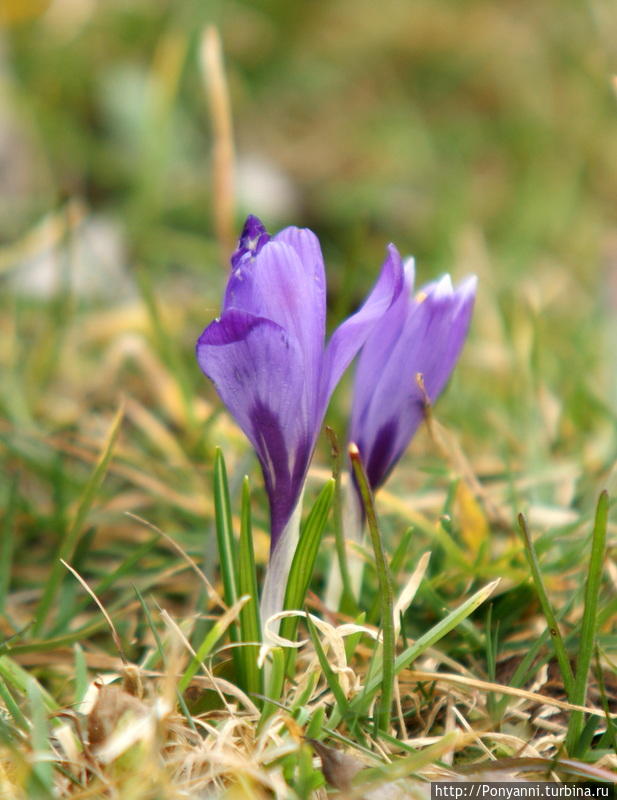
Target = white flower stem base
(277,573)
(353,531)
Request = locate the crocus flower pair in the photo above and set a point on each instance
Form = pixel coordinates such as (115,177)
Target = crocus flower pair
(267,357)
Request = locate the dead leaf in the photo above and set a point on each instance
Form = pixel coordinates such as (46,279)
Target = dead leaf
(338,768)
(112,706)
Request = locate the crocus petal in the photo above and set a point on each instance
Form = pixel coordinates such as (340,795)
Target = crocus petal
(388,403)
(450,315)
(258,370)
(349,337)
(387,332)
(307,246)
(280,285)
(253,237)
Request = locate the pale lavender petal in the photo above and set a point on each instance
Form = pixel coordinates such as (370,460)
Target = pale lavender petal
(388,404)
(446,333)
(307,246)
(349,337)
(386,333)
(278,285)
(258,370)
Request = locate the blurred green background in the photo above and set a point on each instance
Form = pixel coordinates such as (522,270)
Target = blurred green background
(479,136)
(412,121)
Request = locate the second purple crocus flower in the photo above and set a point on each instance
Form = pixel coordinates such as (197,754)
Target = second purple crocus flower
(420,335)
(417,336)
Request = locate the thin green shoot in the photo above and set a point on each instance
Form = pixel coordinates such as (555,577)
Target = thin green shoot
(41,779)
(224,531)
(276,682)
(329,674)
(492,641)
(250,624)
(587,639)
(401,552)
(13,707)
(315,726)
(226,548)
(385,591)
(553,627)
(353,640)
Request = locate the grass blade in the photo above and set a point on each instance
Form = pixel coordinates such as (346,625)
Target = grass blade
(71,539)
(589,623)
(12,707)
(430,638)
(224,530)
(314,727)
(18,678)
(329,674)
(227,548)
(386,592)
(206,647)
(250,626)
(41,778)
(157,655)
(276,682)
(375,778)
(396,564)
(304,558)
(352,641)
(556,637)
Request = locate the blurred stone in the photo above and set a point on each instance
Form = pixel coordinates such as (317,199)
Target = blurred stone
(89,261)
(263,188)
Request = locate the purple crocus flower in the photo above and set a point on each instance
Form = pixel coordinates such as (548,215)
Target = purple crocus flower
(267,357)
(421,335)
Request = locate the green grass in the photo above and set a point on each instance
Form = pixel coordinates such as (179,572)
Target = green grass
(478,139)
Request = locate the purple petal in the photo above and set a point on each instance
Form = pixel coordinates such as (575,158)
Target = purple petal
(285,284)
(378,347)
(349,337)
(308,249)
(258,370)
(252,239)
(388,403)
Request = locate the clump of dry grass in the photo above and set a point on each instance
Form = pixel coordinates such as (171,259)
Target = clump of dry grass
(134,734)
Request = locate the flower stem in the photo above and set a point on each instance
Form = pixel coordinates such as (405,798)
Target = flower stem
(385,590)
